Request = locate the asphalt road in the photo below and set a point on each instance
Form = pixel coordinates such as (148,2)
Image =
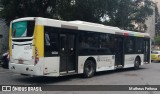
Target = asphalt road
(148,74)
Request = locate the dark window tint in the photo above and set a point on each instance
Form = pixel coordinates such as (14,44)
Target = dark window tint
(88,43)
(107,43)
(129,45)
(51,41)
(30,28)
(71,44)
(139,45)
(88,40)
(92,43)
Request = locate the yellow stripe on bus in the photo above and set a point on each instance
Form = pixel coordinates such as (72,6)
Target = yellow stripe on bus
(39,40)
(10,42)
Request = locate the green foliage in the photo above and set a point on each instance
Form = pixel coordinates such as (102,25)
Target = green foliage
(157,20)
(126,13)
(157,40)
(13,9)
(119,13)
(85,10)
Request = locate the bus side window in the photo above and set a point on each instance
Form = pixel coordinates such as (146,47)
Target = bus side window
(130,45)
(106,43)
(83,41)
(47,45)
(54,41)
(88,42)
(139,45)
(51,41)
(47,39)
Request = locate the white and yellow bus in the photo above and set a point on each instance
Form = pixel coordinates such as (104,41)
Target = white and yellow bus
(48,47)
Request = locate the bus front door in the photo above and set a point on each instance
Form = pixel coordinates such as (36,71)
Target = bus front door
(119,51)
(67,53)
(147,50)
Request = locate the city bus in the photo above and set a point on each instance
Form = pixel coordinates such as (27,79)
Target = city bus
(48,47)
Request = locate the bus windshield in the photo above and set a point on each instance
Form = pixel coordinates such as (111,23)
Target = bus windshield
(23,29)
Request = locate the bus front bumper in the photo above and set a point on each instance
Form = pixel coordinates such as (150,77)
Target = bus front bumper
(26,69)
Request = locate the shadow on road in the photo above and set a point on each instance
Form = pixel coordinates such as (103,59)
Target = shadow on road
(46,80)
(155,61)
(53,80)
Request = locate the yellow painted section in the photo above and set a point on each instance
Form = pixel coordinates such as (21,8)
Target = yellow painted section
(39,40)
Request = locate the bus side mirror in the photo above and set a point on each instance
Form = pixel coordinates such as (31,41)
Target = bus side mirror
(1,36)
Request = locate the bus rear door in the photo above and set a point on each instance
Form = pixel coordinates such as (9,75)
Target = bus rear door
(119,51)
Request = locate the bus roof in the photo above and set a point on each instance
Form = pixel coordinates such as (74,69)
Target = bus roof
(82,25)
(92,24)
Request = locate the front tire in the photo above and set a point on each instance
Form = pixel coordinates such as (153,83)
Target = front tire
(89,69)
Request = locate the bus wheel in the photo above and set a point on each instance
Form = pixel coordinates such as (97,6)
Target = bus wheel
(136,63)
(89,69)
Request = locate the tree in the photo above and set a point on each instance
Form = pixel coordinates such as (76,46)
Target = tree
(157,20)
(124,14)
(13,9)
(157,40)
(85,10)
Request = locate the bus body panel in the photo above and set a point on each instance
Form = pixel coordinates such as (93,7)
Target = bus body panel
(48,22)
(103,62)
(35,70)
(129,60)
(22,51)
(51,66)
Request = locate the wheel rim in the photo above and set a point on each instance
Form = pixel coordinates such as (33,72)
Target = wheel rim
(137,63)
(89,70)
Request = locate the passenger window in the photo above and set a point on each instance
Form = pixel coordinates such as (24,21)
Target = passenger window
(50,41)
(129,45)
(107,43)
(88,40)
(139,45)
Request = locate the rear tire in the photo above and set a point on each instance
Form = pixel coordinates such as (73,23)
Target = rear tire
(137,63)
(89,69)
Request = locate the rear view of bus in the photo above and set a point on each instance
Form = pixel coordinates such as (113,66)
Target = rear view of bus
(49,47)
(24,56)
